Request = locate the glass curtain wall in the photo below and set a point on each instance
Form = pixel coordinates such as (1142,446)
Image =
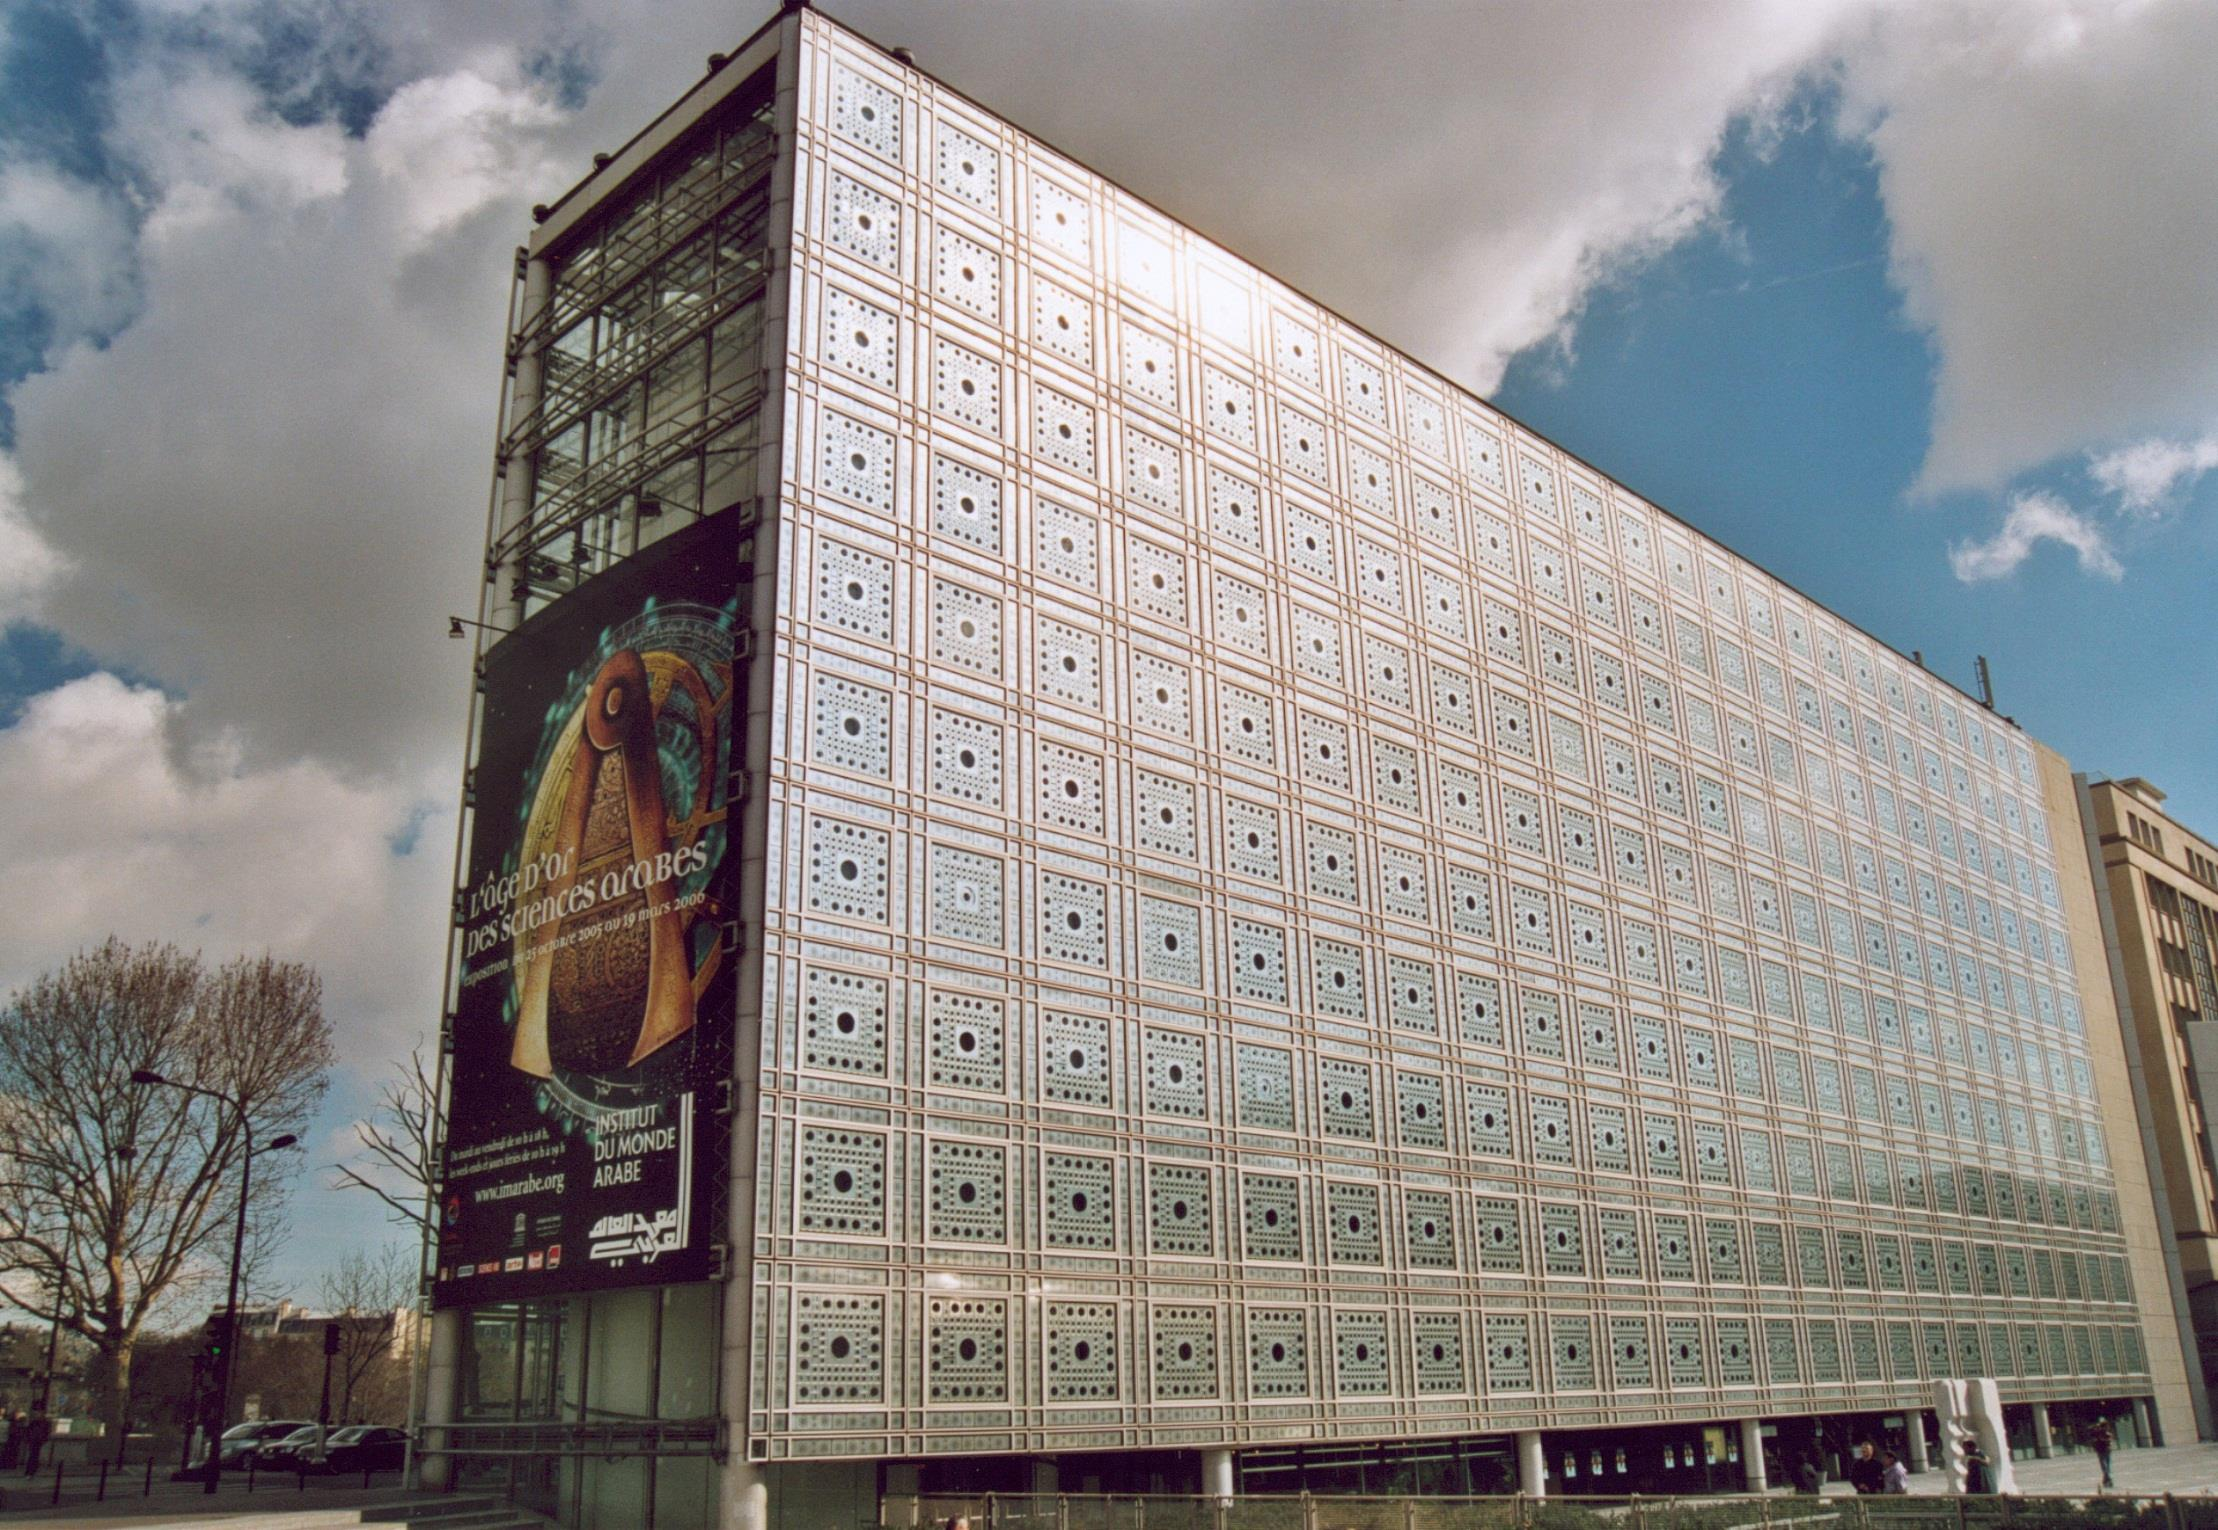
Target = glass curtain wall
(631,1366)
(652,364)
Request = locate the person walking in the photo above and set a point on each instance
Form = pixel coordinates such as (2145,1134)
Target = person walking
(2104,1442)
(1809,1477)
(1894,1477)
(1864,1471)
(35,1435)
(1978,1470)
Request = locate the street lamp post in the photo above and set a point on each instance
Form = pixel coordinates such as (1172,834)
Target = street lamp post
(54,1334)
(222,1398)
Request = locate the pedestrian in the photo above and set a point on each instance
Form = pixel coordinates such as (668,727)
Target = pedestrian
(1978,1471)
(1809,1477)
(1864,1472)
(2104,1443)
(1894,1477)
(11,1446)
(35,1435)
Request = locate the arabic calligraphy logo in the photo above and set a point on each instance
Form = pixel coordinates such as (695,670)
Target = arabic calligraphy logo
(623,1235)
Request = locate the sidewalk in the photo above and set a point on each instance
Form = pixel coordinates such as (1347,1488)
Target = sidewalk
(277,1503)
(2170,1469)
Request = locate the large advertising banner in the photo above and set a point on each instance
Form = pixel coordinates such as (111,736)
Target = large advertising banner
(593,1029)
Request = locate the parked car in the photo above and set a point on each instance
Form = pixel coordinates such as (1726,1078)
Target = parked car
(241,1445)
(365,1448)
(293,1452)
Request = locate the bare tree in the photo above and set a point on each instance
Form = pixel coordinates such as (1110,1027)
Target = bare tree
(116,1199)
(399,1163)
(373,1295)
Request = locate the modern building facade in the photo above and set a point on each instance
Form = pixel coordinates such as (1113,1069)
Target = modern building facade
(1236,917)
(2158,881)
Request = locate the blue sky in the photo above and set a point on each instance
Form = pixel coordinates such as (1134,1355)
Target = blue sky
(1762,382)
(1883,298)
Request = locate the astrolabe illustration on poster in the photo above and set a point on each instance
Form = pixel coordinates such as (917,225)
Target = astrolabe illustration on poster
(593,1014)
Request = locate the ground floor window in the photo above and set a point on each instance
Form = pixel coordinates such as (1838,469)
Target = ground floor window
(592,1408)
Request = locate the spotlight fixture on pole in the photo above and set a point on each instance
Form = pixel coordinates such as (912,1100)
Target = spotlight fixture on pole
(455,624)
(147,1077)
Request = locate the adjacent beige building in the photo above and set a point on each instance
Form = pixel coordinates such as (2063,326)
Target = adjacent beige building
(2158,881)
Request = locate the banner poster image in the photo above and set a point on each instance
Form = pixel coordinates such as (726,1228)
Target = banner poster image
(593,1024)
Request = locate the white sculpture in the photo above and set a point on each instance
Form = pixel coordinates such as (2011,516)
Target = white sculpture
(1972,1410)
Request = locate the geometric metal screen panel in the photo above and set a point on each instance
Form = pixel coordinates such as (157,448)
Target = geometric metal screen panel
(1266,850)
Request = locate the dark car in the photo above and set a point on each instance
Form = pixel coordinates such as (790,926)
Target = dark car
(365,1448)
(290,1453)
(241,1445)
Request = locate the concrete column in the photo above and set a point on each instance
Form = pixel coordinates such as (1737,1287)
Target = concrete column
(1217,1476)
(1532,1465)
(442,1371)
(901,1481)
(2144,1429)
(746,1496)
(504,606)
(2044,1439)
(1752,1455)
(743,1496)
(1914,1425)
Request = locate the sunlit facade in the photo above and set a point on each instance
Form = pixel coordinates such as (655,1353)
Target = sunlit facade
(1284,920)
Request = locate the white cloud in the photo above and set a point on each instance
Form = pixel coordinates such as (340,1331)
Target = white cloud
(2034,518)
(65,250)
(1455,177)
(267,491)
(459,142)
(118,823)
(27,564)
(2144,475)
(212,151)
(2050,174)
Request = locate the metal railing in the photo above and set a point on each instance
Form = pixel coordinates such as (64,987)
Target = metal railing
(1728,1511)
(605,1438)
(92,1482)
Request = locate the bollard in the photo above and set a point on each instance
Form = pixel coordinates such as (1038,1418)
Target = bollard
(57,1482)
(365,1476)
(300,1470)
(148,1492)
(253,1461)
(100,1494)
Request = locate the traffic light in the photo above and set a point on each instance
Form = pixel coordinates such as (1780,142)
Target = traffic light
(217,1337)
